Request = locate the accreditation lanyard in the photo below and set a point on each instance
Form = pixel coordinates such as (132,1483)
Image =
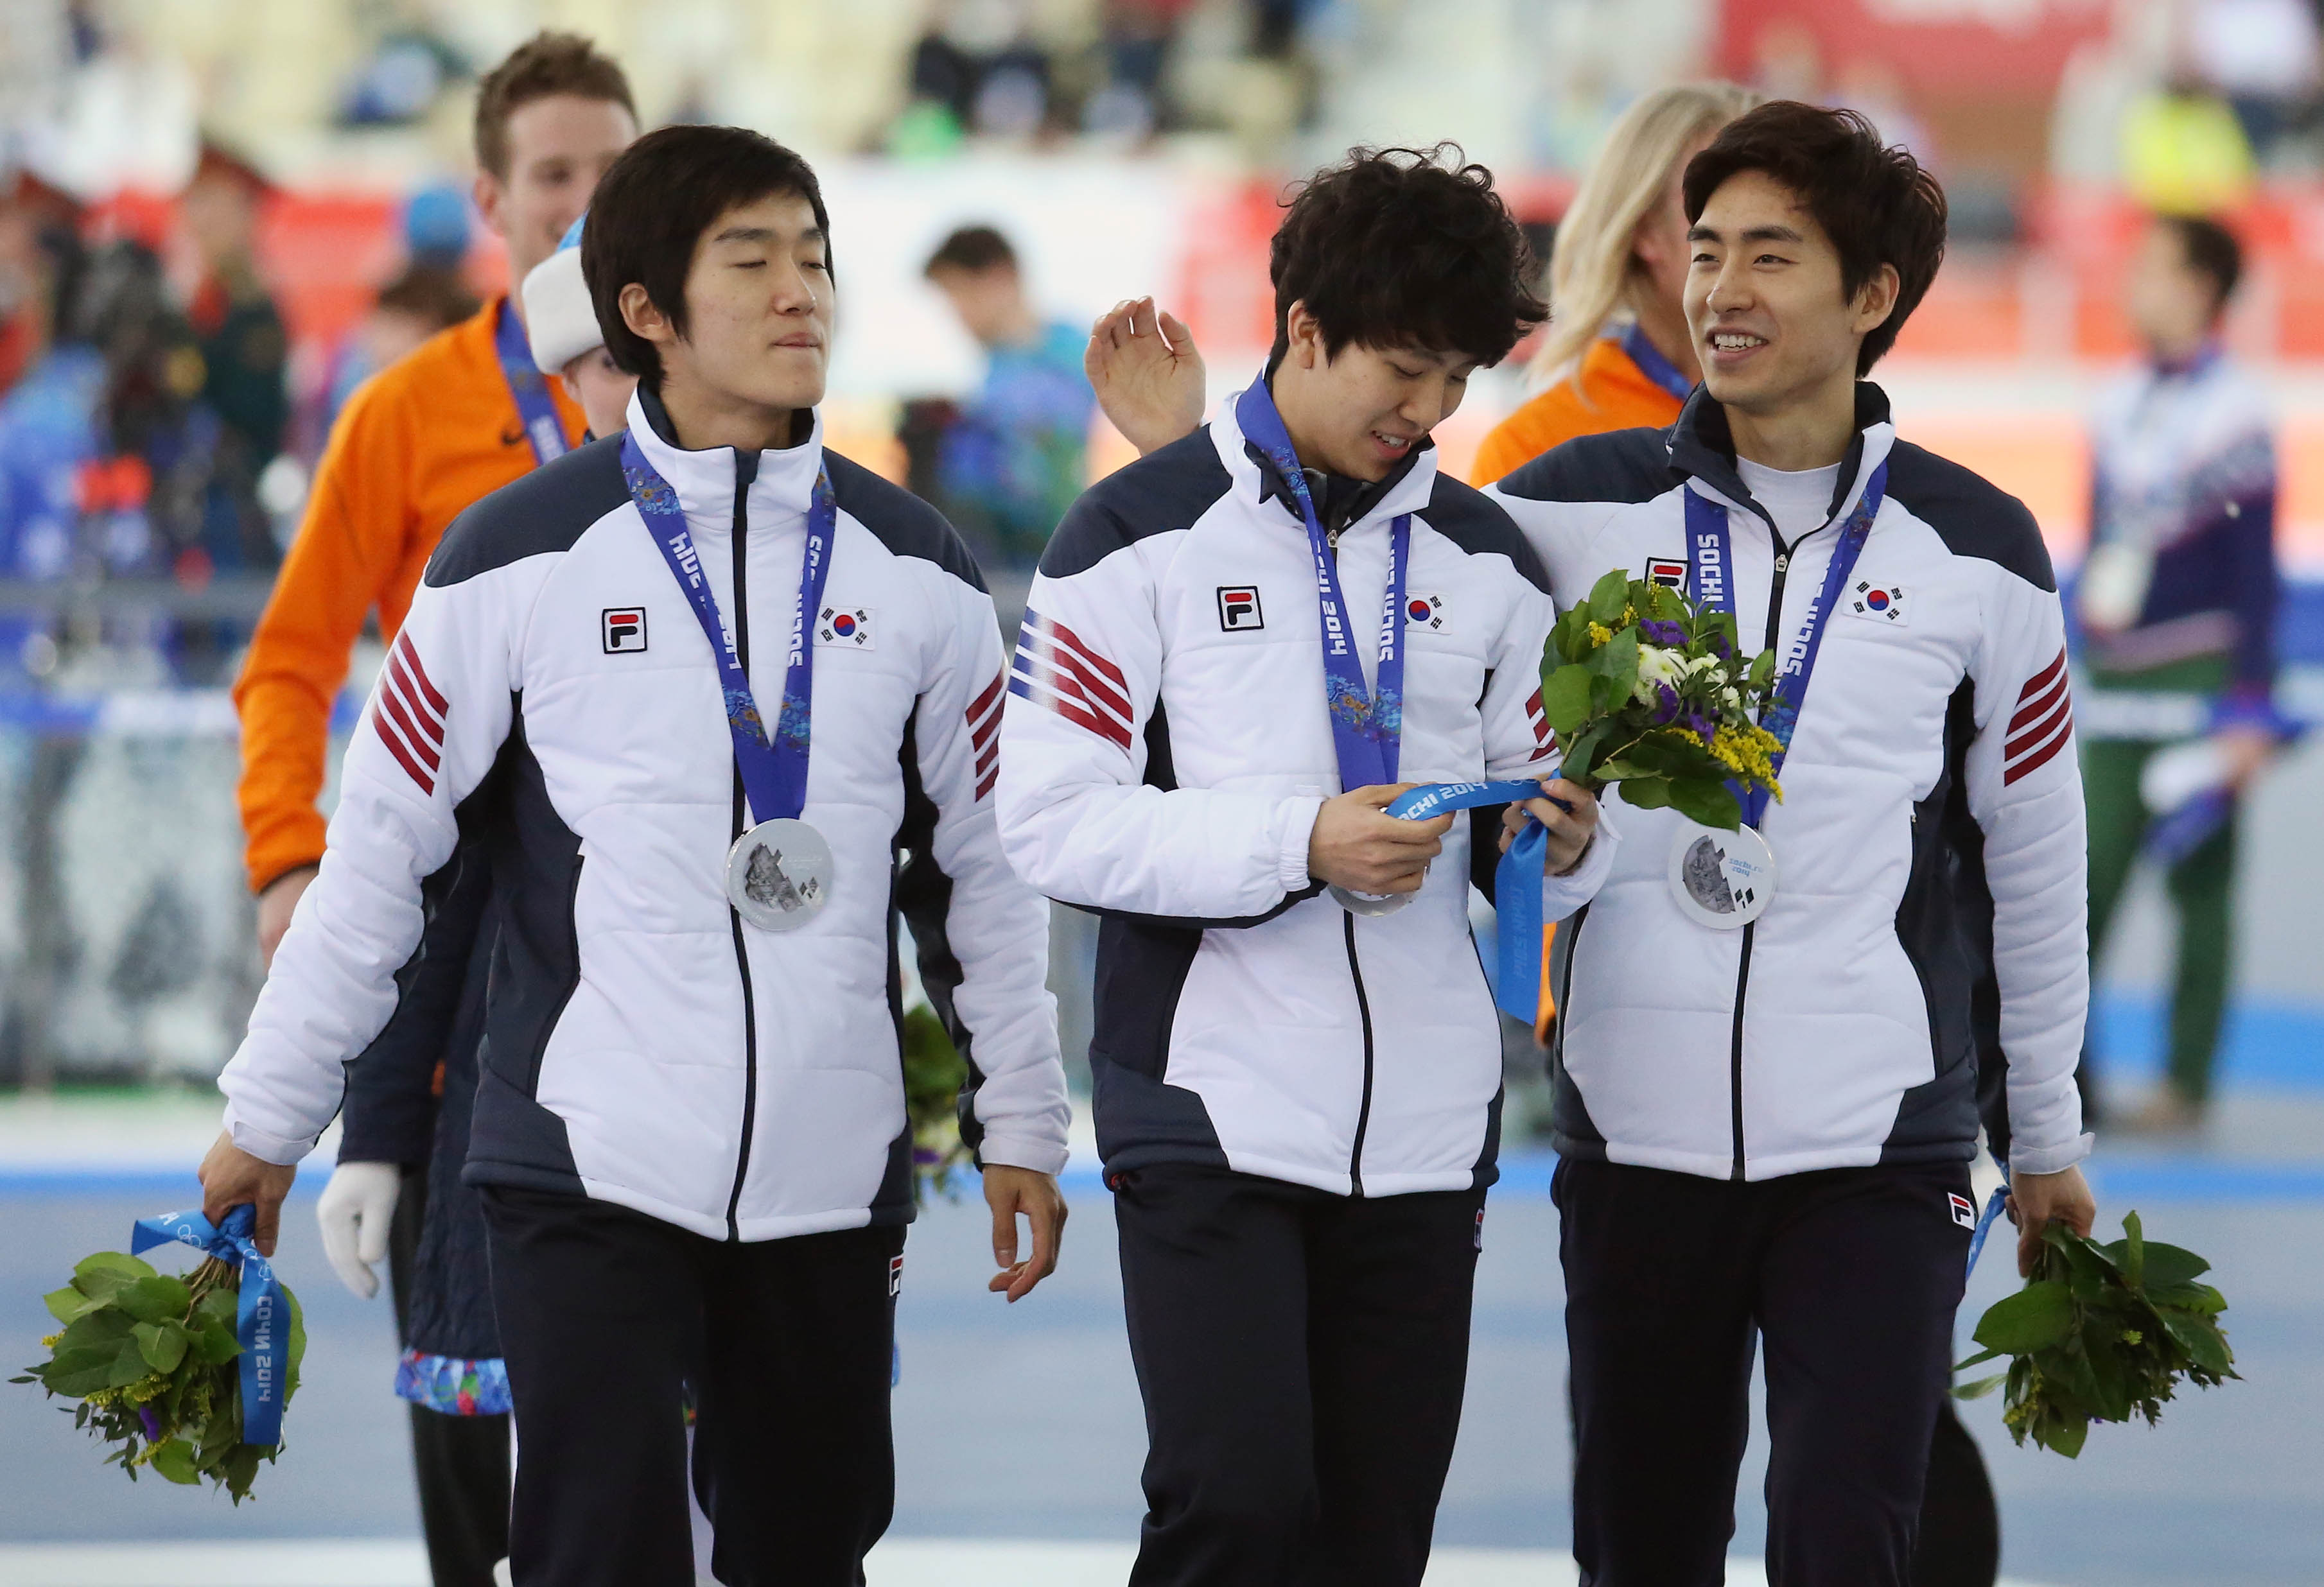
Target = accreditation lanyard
(1710,584)
(1366,724)
(1652,364)
(774,771)
(535,409)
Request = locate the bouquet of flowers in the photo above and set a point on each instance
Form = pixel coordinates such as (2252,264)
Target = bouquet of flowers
(934,1073)
(1646,689)
(156,1360)
(2100,1333)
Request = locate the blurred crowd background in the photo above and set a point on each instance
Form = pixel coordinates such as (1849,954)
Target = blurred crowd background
(217,219)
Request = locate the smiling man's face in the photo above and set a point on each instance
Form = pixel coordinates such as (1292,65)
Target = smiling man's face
(1764,300)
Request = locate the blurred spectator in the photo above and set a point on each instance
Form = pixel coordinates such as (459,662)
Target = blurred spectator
(978,69)
(35,220)
(2183,151)
(2177,606)
(1129,102)
(243,347)
(424,299)
(49,419)
(1012,461)
(2262,56)
(436,227)
(398,82)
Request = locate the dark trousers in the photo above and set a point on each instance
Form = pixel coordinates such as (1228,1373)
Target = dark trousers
(1850,1276)
(605,1313)
(461,1462)
(1302,1357)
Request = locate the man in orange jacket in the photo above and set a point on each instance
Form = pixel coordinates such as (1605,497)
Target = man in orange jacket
(461,416)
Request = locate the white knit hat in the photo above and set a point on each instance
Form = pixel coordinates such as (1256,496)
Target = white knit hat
(558,316)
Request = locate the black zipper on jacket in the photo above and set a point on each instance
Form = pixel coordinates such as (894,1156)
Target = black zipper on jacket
(1364,1112)
(742,814)
(1743,965)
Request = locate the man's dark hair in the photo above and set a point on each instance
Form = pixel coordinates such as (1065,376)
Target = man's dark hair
(546,64)
(972,249)
(654,206)
(1405,248)
(2210,251)
(1876,203)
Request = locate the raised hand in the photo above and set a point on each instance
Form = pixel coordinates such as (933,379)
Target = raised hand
(1148,375)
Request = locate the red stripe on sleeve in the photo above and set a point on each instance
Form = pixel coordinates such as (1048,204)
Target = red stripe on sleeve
(395,748)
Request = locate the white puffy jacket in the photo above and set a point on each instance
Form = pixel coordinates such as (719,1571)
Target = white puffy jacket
(552,695)
(1926,940)
(1166,750)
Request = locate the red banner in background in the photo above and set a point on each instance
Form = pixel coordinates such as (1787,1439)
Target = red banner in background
(1946,49)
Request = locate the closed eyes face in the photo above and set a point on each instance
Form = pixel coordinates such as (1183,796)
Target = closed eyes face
(759,303)
(1376,405)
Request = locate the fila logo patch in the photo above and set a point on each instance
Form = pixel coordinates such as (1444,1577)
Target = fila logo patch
(1239,609)
(1964,1209)
(1424,611)
(626,629)
(844,625)
(1480,1228)
(1879,603)
(1669,571)
(895,1277)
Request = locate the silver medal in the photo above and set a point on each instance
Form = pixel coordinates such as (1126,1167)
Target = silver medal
(779,874)
(1369,905)
(1723,880)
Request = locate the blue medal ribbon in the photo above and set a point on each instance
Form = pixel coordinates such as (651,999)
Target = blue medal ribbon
(1652,364)
(536,410)
(1516,882)
(1367,723)
(773,768)
(1711,582)
(263,1310)
(1985,1220)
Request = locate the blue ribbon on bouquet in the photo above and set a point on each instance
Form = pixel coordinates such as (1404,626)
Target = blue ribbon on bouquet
(1517,881)
(262,1323)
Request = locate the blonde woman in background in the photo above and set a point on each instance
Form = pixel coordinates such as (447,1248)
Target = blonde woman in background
(1616,356)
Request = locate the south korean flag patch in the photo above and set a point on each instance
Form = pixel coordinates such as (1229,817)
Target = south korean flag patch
(1878,603)
(848,626)
(1424,611)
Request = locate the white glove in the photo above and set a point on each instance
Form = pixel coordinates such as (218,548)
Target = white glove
(353,1211)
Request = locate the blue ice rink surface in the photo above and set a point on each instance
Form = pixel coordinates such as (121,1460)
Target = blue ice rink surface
(1024,1422)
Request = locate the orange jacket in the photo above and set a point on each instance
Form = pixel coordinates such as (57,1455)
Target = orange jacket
(1606,391)
(416,444)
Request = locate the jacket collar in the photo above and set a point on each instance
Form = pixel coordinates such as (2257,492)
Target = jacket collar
(1407,488)
(1702,452)
(781,482)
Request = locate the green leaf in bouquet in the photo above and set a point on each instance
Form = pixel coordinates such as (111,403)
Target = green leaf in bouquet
(174,1459)
(214,1343)
(107,1273)
(1616,661)
(2201,1338)
(1649,790)
(1980,1388)
(105,1325)
(2194,1297)
(294,1350)
(128,1365)
(77,1372)
(153,1300)
(1763,669)
(1565,697)
(2065,1437)
(2037,1318)
(1569,638)
(1610,596)
(162,1344)
(1707,800)
(67,1304)
(2167,1265)
(1664,603)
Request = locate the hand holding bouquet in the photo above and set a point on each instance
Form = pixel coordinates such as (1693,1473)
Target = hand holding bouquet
(187,1375)
(2099,1334)
(1644,689)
